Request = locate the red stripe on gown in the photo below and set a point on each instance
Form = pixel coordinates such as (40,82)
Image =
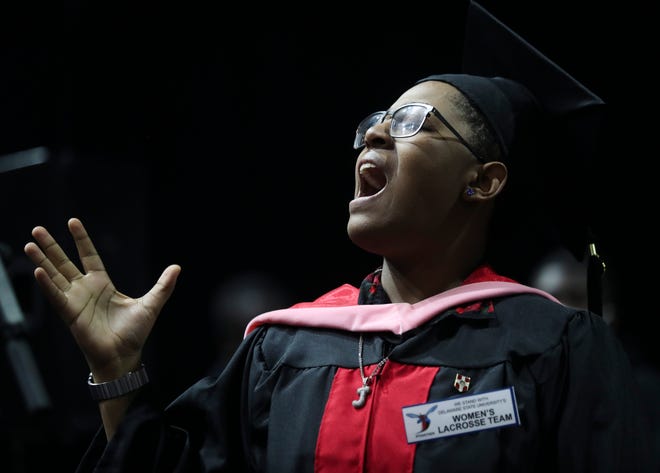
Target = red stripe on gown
(372,438)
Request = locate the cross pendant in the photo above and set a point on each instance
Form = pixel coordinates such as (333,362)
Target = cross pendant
(362,392)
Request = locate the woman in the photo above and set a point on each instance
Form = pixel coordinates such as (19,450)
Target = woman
(439,360)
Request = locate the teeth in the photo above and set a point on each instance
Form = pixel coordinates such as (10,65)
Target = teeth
(365,166)
(372,180)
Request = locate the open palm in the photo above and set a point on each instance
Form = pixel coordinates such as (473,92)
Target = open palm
(108,326)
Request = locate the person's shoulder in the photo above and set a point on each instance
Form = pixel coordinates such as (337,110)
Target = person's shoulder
(526,309)
(535,306)
(540,322)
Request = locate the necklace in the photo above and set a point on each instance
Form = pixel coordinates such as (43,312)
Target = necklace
(364,390)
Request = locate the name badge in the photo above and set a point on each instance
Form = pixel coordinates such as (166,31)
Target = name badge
(461,415)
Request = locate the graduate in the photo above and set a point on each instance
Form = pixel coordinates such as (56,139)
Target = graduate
(442,359)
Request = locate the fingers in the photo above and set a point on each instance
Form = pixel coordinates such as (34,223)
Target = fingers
(55,272)
(90,259)
(56,297)
(50,256)
(47,254)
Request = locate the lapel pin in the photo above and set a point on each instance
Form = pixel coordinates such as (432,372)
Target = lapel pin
(462,383)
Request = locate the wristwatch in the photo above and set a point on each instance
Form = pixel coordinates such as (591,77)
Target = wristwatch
(118,387)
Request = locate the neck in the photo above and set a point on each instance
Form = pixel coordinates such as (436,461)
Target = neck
(412,284)
(413,277)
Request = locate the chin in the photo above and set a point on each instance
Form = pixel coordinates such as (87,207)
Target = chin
(364,236)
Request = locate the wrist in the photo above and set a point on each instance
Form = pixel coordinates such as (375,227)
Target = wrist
(129,382)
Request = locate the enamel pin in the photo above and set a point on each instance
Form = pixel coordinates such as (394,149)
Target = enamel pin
(462,383)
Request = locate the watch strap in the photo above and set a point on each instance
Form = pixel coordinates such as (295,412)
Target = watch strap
(131,381)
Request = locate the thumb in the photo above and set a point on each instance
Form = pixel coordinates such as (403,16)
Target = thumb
(155,299)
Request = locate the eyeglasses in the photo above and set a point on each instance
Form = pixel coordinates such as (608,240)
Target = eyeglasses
(406,121)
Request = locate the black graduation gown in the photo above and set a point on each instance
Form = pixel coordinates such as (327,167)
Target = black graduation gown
(284,401)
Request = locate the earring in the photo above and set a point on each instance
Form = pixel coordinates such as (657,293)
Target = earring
(469,191)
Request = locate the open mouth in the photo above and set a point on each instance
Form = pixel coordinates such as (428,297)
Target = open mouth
(372,179)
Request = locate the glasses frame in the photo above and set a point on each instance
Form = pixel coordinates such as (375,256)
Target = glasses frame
(430,109)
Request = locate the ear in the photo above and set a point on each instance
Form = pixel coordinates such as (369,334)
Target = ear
(489,182)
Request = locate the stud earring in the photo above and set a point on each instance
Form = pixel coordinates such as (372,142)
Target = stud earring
(469,191)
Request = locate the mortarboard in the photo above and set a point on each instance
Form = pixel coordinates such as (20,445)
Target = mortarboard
(548,126)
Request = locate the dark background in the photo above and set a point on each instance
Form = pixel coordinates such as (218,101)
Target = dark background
(222,141)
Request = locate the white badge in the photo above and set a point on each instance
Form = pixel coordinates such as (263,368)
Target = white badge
(461,415)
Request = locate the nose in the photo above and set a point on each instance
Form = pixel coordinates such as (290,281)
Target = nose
(378,136)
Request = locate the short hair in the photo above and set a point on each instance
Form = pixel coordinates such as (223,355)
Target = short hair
(482,137)
(517,239)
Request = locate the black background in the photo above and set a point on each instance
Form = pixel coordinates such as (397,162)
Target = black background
(221,140)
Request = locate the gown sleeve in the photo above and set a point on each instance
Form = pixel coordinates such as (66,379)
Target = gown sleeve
(201,430)
(591,401)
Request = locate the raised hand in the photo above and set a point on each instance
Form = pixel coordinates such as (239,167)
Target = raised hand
(109,327)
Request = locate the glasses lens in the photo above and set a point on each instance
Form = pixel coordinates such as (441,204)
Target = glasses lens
(364,125)
(408,120)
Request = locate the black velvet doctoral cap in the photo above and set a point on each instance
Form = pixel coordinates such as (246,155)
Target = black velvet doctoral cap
(547,125)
